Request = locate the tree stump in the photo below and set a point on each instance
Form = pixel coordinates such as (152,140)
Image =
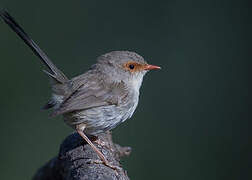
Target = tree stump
(75,161)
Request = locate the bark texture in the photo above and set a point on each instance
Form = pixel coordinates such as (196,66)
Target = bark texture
(75,161)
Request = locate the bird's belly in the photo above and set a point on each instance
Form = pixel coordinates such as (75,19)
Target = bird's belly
(100,119)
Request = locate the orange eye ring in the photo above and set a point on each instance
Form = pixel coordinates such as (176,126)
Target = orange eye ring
(133,66)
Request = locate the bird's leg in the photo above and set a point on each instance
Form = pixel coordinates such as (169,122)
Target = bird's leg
(80,128)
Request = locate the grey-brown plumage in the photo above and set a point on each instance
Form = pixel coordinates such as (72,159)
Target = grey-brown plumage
(98,100)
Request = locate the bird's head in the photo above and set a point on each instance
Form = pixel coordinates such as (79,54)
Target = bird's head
(125,66)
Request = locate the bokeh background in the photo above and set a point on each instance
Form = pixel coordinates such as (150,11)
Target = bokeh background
(193,120)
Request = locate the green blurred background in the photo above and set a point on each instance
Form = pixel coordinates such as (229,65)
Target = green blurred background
(193,119)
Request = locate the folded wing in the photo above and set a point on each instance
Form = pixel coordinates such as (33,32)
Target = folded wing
(91,96)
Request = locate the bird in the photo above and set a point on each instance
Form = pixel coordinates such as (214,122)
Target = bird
(98,100)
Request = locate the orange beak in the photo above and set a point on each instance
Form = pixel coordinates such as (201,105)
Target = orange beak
(150,67)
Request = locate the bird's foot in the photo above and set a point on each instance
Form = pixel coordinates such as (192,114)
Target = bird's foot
(106,163)
(102,143)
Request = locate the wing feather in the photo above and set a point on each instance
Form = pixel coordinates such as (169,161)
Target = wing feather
(96,95)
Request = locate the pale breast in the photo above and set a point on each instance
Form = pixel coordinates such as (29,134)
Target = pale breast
(103,118)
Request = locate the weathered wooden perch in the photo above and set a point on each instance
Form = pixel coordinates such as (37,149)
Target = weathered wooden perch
(74,161)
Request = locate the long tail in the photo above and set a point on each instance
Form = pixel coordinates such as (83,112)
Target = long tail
(54,72)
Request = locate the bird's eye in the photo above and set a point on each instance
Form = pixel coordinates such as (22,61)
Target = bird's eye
(131,66)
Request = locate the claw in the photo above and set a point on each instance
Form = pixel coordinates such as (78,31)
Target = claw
(102,143)
(106,163)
